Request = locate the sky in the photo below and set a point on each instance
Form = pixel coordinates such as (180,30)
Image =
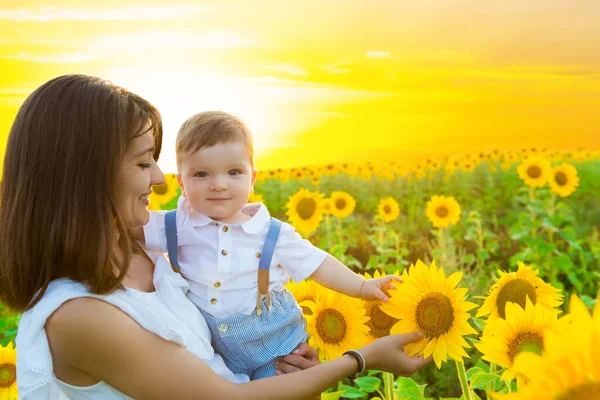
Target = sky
(320,82)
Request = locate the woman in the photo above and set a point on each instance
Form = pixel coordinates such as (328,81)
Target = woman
(103,319)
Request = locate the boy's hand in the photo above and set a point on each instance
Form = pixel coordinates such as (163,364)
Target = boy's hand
(376,289)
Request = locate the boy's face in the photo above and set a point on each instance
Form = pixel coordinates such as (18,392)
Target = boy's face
(217,180)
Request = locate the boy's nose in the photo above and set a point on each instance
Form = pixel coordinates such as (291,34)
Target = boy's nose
(218,185)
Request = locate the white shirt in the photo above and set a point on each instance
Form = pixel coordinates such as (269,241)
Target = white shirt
(220,261)
(167,312)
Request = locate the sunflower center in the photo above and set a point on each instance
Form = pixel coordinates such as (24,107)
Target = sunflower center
(380,323)
(306,208)
(534,171)
(8,375)
(525,341)
(331,326)
(161,189)
(586,391)
(515,291)
(434,315)
(387,209)
(340,204)
(561,178)
(442,211)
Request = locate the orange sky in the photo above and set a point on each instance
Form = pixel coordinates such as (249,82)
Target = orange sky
(349,81)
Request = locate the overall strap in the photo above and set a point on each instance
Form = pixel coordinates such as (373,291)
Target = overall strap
(264,264)
(171,233)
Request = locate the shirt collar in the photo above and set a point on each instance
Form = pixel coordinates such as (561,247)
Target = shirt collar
(258,212)
(260,216)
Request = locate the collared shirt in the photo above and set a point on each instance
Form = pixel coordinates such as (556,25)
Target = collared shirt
(220,261)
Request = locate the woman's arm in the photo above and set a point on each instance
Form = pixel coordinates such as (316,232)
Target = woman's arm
(100,340)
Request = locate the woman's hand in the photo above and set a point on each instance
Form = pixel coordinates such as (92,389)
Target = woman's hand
(387,354)
(302,358)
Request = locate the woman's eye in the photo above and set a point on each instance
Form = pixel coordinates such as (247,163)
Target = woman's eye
(145,165)
(201,174)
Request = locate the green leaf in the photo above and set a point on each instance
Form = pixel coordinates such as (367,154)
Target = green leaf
(481,364)
(575,281)
(563,262)
(483,254)
(351,392)
(474,370)
(332,395)
(408,389)
(479,323)
(368,383)
(480,380)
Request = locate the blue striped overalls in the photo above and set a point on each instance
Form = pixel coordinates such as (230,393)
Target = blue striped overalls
(250,343)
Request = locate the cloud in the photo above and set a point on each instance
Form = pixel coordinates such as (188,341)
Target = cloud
(378,54)
(124,13)
(60,57)
(286,68)
(342,67)
(88,49)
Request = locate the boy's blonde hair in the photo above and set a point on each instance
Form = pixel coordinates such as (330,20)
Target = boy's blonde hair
(209,128)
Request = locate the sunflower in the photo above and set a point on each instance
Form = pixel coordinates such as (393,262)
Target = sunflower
(534,171)
(8,372)
(162,194)
(343,204)
(429,302)
(337,324)
(255,198)
(443,211)
(468,164)
(568,369)
(304,291)
(305,210)
(388,209)
(380,323)
(505,166)
(516,287)
(564,179)
(522,330)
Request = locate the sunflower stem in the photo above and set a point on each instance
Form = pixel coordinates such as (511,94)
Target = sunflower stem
(327,228)
(464,384)
(489,386)
(388,386)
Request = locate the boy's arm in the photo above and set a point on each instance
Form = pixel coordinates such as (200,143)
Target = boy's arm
(336,276)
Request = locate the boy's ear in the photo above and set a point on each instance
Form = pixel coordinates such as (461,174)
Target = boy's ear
(181,185)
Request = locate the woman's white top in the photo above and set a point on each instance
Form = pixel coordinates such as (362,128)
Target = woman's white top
(167,312)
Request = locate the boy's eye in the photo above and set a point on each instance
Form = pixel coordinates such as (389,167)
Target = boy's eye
(235,172)
(201,174)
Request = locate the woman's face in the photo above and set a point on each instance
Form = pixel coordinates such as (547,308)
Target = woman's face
(137,174)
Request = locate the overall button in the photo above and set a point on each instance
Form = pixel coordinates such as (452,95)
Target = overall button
(225,228)
(258,254)
(217,284)
(224,252)
(223,328)
(213,301)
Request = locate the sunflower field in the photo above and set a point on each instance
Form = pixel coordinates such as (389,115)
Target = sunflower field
(499,252)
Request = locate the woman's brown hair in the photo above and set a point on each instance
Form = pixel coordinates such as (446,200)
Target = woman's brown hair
(57,206)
